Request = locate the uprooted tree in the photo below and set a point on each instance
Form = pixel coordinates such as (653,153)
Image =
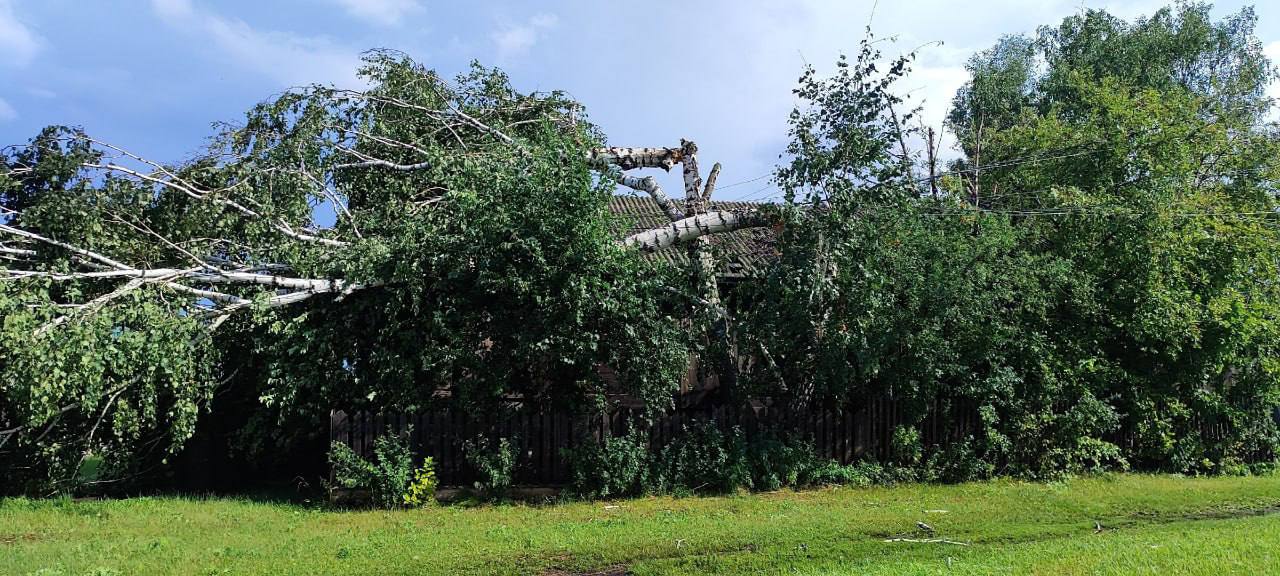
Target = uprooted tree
(1094,278)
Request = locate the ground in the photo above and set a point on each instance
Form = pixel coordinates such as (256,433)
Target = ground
(1125,524)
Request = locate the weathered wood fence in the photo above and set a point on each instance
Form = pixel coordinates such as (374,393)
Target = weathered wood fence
(541,436)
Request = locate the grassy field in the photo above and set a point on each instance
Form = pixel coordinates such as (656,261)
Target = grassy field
(1149,525)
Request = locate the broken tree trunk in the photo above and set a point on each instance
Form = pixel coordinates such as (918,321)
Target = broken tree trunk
(632,158)
(695,221)
(688,229)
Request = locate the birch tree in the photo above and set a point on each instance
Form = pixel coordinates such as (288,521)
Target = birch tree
(471,252)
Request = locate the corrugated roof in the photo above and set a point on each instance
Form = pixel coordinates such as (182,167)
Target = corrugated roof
(738,253)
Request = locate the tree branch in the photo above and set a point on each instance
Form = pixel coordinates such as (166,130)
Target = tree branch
(649,185)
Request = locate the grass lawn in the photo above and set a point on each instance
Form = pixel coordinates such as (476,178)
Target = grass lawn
(1150,525)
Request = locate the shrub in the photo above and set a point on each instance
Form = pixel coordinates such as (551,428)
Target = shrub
(958,462)
(1094,456)
(387,477)
(703,459)
(832,473)
(776,463)
(618,466)
(494,463)
(422,490)
(905,448)
(707,459)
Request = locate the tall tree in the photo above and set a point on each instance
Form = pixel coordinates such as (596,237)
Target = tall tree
(1095,277)
(1140,157)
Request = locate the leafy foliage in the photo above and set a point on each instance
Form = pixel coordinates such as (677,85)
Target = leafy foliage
(500,261)
(1093,283)
(618,466)
(705,459)
(390,478)
(120,384)
(1095,278)
(422,489)
(494,463)
(476,241)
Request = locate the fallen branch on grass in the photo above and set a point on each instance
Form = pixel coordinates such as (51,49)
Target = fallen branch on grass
(927,541)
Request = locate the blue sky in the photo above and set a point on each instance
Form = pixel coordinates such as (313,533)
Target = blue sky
(152,75)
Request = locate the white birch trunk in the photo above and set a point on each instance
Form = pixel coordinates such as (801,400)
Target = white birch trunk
(632,158)
(688,229)
(650,186)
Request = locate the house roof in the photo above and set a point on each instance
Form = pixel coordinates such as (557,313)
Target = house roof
(739,252)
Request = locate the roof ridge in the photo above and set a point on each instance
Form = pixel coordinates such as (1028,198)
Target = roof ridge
(648,200)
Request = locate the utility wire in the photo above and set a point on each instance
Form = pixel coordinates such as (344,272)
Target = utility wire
(739,183)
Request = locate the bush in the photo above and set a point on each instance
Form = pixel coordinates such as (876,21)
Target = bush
(775,463)
(778,462)
(618,466)
(495,465)
(705,459)
(958,462)
(387,477)
(422,490)
(864,473)
(905,447)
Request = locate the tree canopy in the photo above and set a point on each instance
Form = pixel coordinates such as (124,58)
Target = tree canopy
(1096,275)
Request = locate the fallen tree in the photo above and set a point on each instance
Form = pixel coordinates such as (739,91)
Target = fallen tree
(470,248)
(203,272)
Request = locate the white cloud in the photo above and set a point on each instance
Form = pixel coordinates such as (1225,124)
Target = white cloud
(515,40)
(932,88)
(380,12)
(7,112)
(17,42)
(173,9)
(287,58)
(1272,50)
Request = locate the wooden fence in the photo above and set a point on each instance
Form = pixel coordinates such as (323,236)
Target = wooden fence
(540,436)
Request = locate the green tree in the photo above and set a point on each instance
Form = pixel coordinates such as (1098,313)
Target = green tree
(1096,279)
(1141,158)
(473,254)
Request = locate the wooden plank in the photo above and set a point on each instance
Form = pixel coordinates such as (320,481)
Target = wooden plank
(450,426)
(549,447)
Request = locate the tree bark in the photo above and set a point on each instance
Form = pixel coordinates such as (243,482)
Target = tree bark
(632,158)
(650,186)
(687,229)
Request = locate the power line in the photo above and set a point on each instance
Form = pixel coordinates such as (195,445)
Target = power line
(1097,211)
(764,189)
(1007,163)
(739,183)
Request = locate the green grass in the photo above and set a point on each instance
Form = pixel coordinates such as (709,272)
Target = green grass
(1152,525)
